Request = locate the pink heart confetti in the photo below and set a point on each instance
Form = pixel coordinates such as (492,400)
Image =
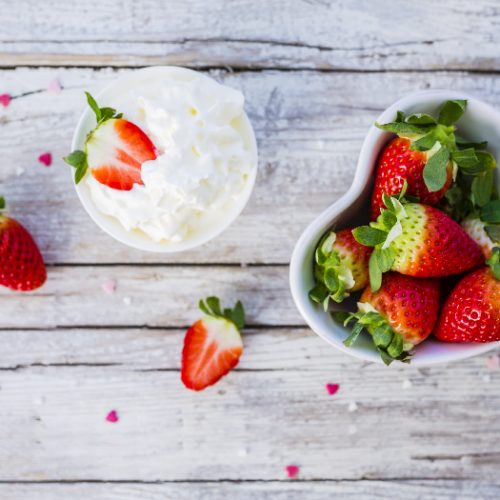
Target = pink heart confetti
(54,86)
(332,388)
(109,286)
(493,362)
(46,159)
(112,417)
(292,471)
(5,100)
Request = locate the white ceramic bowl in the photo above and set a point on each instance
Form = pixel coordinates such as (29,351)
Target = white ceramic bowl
(112,226)
(480,122)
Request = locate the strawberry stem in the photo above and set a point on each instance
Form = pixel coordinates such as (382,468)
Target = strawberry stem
(2,203)
(211,307)
(494,262)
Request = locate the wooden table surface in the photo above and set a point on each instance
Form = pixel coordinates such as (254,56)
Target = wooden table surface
(315,75)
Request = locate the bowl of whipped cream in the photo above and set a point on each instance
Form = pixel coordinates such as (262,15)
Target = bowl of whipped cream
(204,170)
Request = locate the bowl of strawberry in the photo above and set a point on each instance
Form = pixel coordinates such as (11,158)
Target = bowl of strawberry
(405,266)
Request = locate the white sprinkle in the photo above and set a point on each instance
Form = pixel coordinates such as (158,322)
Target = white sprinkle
(39,401)
(127,301)
(352,430)
(54,86)
(407,384)
(352,406)
(20,171)
(493,362)
(242,452)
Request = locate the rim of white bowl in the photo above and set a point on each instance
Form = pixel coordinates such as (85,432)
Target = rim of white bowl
(446,352)
(111,225)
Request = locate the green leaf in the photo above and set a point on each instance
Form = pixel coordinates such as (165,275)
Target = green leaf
(204,308)
(382,336)
(80,172)
(331,279)
(385,258)
(395,349)
(400,117)
(319,293)
(494,262)
(238,315)
(481,189)
(463,143)
(369,236)
(493,231)
(340,316)
(465,158)
(2,202)
(375,272)
(491,212)
(451,111)
(213,304)
(421,119)
(388,219)
(356,330)
(435,171)
(93,104)
(403,128)
(76,158)
(424,143)
(487,160)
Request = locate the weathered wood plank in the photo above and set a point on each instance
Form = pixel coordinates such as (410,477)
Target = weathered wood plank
(309,125)
(251,424)
(296,490)
(363,35)
(149,296)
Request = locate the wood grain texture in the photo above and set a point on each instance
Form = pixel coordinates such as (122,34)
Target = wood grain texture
(149,296)
(362,35)
(279,490)
(252,424)
(308,140)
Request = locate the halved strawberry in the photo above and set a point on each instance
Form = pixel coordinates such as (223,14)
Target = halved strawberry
(213,345)
(472,311)
(425,155)
(341,267)
(21,263)
(114,151)
(400,315)
(417,240)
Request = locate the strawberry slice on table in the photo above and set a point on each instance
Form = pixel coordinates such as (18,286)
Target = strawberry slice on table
(212,345)
(341,267)
(471,313)
(21,263)
(425,155)
(417,240)
(114,150)
(400,315)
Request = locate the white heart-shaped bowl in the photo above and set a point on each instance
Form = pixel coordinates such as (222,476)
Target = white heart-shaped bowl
(480,122)
(111,225)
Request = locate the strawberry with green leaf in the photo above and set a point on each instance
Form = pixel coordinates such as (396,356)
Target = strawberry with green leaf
(114,150)
(400,315)
(471,312)
(21,263)
(341,267)
(212,345)
(425,155)
(416,240)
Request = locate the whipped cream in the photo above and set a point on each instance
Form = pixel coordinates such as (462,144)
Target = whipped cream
(205,159)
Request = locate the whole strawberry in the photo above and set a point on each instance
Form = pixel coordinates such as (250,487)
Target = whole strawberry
(471,313)
(425,155)
(21,263)
(341,267)
(400,315)
(114,151)
(417,240)
(212,345)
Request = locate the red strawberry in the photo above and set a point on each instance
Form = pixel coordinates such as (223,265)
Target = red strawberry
(115,150)
(400,315)
(399,163)
(213,345)
(341,266)
(417,240)
(21,264)
(423,156)
(472,311)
